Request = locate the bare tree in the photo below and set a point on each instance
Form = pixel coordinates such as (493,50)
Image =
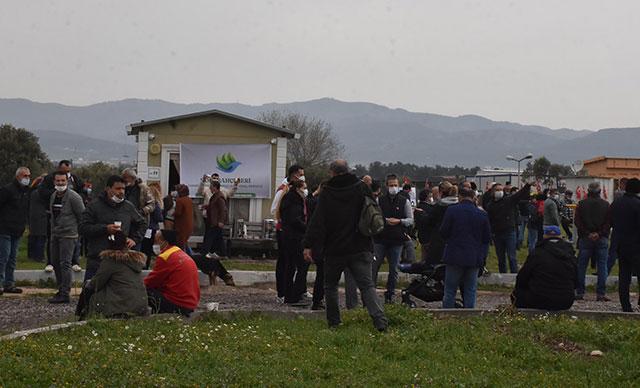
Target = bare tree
(317,146)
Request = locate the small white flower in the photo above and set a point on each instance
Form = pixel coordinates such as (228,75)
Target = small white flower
(24,337)
(69,347)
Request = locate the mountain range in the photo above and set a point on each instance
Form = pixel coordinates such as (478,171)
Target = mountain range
(369,132)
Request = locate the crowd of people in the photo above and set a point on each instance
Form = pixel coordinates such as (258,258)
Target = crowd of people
(348,225)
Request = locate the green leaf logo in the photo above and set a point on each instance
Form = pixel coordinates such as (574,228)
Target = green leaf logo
(227,162)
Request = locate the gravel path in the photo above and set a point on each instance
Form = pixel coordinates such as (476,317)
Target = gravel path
(31,310)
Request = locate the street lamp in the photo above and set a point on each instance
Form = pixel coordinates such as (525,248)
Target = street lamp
(514,159)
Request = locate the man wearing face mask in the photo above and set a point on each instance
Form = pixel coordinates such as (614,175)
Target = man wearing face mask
(398,215)
(105,215)
(138,193)
(14,210)
(502,217)
(66,207)
(552,209)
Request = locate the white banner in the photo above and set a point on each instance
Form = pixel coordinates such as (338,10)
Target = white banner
(251,163)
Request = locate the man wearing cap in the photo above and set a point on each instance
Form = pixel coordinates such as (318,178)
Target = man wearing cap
(592,220)
(625,219)
(548,278)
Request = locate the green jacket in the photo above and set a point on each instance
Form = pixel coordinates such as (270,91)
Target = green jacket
(117,286)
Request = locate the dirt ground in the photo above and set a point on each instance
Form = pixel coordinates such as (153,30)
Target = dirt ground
(31,310)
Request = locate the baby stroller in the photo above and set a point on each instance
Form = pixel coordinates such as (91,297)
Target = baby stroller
(429,287)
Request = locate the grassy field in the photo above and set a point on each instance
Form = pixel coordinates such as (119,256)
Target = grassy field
(418,350)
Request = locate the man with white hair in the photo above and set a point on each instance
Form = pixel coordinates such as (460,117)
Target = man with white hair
(14,210)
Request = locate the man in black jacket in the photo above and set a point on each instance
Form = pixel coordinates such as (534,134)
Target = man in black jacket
(548,278)
(14,210)
(334,226)
(106,215)
(625,219)
(502,216)
(593,222)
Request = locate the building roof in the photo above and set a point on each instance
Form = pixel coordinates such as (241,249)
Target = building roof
(601,158)
(134,128)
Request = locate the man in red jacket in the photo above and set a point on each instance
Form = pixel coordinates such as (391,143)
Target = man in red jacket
(172,285)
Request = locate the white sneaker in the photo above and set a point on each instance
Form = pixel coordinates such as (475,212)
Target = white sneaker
(76,268)
(48,268)
(212,255)
(279,300)
(308,295)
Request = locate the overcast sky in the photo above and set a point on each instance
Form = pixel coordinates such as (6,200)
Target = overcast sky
(555,63)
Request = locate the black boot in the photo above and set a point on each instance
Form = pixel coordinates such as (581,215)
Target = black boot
(58,299)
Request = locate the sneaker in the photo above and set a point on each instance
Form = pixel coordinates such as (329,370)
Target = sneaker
(13,290)
(48,268)
(316,306)
(212,255)
(58,299)
(603,298)
(579,297)
(76,268)
(303,302)
(404,268)
(280,299)
(228,280)
(308,295)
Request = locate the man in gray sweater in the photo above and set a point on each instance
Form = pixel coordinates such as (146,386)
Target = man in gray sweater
(66,207)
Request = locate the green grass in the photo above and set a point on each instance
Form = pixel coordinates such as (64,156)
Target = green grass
(257,351)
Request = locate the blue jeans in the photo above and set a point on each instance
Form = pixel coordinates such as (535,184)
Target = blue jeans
(392,252)
(453,277)
(8,250)
(532,238)
(506,246)
(597,249)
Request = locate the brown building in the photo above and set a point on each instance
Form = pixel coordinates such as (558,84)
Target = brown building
(614,168)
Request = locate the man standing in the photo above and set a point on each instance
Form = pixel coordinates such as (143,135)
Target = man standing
(398,215)
(138,193)
(625,219)
(467,233)
(66,207)
(216,219)
(295,172)
(104,216)
(333,227)
(14,209)
(552,209)
(593,223)
(502,216)
(566,214)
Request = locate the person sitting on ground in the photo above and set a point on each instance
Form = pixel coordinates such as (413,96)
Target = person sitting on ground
(172,285)
(548,278)
(117,290)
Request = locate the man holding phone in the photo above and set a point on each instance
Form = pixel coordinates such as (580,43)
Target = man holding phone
(106,215)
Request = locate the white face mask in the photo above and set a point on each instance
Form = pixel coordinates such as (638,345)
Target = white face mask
(394,190)
(25,181)
(302,178)
(305,192)
(498,194)
(156,249)
(117,199)
(174,194)
(88,191)
(61,189)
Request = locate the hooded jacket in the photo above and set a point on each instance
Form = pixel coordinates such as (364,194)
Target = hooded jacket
(334,224)
(101,212)
(550,272)
(117,286)
(14,208)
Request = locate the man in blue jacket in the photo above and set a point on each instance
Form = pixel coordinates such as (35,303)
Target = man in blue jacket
(467,234)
